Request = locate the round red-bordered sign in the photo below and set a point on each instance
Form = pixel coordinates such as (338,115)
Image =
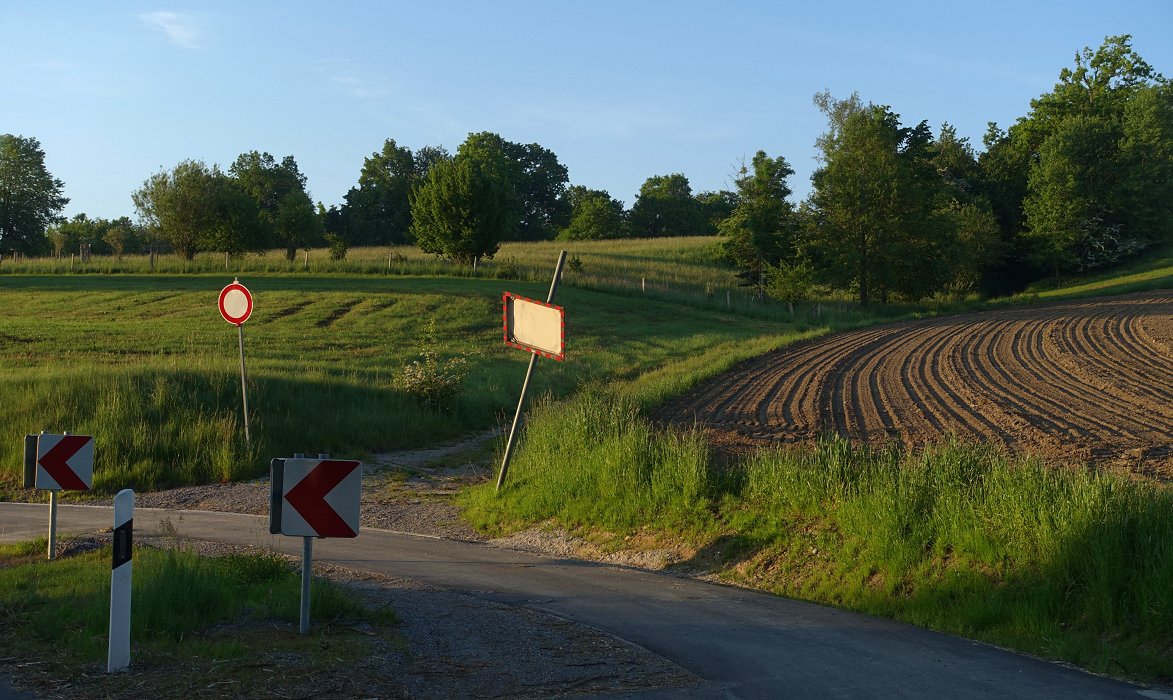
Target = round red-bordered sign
(236,304)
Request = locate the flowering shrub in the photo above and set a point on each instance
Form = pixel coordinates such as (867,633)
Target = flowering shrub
(433,381)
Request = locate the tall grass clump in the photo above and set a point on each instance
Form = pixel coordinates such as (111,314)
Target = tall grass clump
(593,460)
(1067,563)
(166,427)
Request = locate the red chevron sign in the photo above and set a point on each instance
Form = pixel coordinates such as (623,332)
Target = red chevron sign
(65,462)
(320,497)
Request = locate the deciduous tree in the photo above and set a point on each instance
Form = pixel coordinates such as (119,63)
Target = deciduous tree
(877,195)
(286,211)
(1089,166)
(378,209)
(760,231)
(665,207)
(466,206)
(594,215)
(193,207)
(30,197)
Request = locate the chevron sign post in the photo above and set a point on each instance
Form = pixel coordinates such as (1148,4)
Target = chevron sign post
(311,498)
(58,462)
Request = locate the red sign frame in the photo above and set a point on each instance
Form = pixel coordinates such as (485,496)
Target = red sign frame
(236,286)
(529,348)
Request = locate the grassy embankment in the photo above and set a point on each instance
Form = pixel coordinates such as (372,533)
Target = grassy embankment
(196,620)
(1073,565)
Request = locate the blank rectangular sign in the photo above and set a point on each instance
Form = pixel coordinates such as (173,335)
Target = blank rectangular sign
(534,326)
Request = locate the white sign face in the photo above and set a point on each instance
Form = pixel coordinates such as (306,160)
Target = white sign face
(534,326)
(321,497)
(65,462)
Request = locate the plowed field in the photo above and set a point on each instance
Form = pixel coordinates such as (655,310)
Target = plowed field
(1080,381)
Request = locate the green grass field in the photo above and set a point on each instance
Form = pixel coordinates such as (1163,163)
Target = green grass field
(1074,566)
(146,364)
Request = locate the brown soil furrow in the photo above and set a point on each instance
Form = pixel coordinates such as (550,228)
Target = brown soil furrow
(1154,368)
(1071,381)
(1126,385)
(967,391)
(965,420)
(1072,416)
(1075,349)
(883,407)
(1005,390)
(909,368)
(1154,341)
(1096,408)
(984,363)
(727,403)
(800,400)
(833,415)
(1092,351)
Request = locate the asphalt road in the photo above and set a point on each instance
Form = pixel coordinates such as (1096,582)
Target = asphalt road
(743,644)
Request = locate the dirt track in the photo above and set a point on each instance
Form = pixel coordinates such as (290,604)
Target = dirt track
(1087,380)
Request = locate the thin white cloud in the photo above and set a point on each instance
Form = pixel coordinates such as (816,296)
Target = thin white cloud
(181,30)
(355,83)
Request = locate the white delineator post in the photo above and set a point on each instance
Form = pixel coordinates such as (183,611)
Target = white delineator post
(118,654)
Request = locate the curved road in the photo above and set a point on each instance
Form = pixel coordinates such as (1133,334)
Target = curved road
(740,643)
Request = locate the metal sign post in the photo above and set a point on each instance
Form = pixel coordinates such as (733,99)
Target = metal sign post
(56,462)
(298,506)
(244,385)
(533,361)
(307,567)
(236,305)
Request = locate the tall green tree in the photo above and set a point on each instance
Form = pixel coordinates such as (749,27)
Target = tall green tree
(540,183)
(378,209)
(30,197)
(466,206)
(715,208)
(286,210)
(194,208)
(1074,209)
(761,230)
(1087,170)
(594,215)
(877,225)
(536,178)
(665,207)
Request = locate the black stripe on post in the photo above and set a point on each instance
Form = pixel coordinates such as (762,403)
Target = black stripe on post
(30,461)
(123,543)
(276,484)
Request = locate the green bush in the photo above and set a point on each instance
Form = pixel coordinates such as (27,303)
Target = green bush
(433,381)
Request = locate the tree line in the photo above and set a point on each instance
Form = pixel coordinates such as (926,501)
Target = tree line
(895,211)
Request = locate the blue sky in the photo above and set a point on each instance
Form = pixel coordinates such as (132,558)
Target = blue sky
(620,91)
